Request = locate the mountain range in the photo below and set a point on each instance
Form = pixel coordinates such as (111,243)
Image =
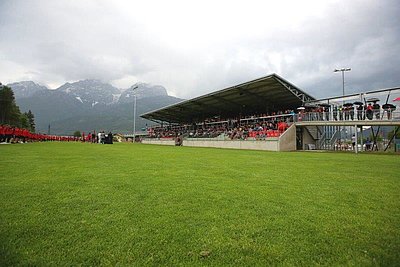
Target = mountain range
(89,105)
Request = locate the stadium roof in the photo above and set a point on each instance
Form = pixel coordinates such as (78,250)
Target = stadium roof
(267,94)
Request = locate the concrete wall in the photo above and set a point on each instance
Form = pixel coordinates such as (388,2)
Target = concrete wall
(287,141)
(270,145)
(158,142)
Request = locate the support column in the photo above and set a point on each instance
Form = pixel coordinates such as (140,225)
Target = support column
(356,139)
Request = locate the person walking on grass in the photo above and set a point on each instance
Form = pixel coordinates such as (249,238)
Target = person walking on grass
(94,139)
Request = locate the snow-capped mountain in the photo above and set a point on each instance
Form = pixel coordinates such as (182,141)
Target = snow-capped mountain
(142,90)
(90,104)
(91,92)
(26,88)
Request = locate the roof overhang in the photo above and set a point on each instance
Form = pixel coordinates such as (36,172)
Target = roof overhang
(267,94)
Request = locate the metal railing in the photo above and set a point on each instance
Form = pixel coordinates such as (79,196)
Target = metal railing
(379,115)
(332,135)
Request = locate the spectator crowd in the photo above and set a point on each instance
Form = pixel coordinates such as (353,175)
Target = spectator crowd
(259,126)
(10,134)
(347,111)
(262,126)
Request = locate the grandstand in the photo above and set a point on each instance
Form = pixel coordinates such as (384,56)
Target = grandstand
(270,113)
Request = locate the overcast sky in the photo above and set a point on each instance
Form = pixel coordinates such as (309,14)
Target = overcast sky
(196,47)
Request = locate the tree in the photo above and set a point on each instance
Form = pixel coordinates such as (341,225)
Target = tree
(77,134)
(23,121)
(31,120)
(9,111)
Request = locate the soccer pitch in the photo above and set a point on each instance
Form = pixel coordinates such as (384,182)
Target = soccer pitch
(132,204)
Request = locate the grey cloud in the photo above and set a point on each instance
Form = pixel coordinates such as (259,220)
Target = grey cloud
(366,40)
(68,40)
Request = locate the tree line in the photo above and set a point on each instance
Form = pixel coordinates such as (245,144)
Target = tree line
(10,113)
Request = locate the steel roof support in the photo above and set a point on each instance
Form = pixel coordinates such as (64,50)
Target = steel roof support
(298,93)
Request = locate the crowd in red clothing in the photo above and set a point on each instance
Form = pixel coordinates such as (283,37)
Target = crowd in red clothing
(9,134)
(256,126)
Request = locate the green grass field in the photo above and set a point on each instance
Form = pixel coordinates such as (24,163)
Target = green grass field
(129,204)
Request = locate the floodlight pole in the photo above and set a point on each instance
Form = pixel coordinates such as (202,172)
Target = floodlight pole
(134,114)
(343,70)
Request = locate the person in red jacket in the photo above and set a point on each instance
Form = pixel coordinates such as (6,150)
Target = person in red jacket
(369,111)
(282,126)
(1,133)
(9,134)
